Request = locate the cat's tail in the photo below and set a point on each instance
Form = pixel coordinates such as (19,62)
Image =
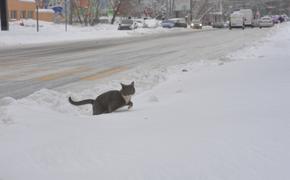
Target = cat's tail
(82,102)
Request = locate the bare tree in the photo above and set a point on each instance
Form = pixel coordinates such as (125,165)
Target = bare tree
(75,11)
(116,7)
(125,8)
(85,15)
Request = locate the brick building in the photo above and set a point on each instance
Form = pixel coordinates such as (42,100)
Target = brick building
(26,9)
(83,3)
(53,3)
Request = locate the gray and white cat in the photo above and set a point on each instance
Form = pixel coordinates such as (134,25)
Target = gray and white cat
(110,100)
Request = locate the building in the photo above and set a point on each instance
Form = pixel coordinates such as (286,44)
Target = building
(83,3)
(53,3)
(26,9)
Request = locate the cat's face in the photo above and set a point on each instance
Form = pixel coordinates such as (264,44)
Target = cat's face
(128,90)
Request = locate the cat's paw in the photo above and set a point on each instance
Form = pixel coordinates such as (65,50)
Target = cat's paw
(130,105)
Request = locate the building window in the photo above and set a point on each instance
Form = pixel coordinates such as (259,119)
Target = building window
(23,14)
(30,14)
(13,14)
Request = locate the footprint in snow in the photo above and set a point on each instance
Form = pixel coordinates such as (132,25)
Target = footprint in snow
(153,99)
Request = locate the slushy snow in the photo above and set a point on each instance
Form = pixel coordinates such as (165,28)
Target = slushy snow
(209,120)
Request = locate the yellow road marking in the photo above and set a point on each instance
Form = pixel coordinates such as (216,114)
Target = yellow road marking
(8,77)
(65,73)
(8,64)
(21,74)
(105,73)
(62,74)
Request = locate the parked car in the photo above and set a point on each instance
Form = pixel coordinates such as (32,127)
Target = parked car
(281,19)
(139,23)
(167,24)
(179,22)
(275,19)
(248,16)
(220,24)
(286,18)
(127,24)
(237,20)
(196,24)
(266,21)
(175,22)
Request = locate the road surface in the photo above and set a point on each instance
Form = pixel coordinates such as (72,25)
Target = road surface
(28,69)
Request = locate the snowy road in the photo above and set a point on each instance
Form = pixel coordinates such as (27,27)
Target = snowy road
(26,70)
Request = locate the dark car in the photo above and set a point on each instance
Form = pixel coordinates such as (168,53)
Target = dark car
(176,22)
(127,24)
(179,22)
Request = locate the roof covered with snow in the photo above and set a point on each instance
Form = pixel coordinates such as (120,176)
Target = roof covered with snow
(32,1)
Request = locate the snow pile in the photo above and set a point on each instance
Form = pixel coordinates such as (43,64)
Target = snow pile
(5,118)
(204,121)
(53,33)
(151,23)
(45,11)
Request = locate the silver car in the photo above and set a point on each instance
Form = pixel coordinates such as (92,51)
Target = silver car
(266,21)
(127,24)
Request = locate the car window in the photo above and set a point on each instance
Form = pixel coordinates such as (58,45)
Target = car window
(167,21)
(127,21)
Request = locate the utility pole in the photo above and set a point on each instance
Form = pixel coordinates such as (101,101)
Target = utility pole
(37,16)
(70,12)
(173,6)
(65,11)
(170,6)
(167,9)
(4,16)
(190,11)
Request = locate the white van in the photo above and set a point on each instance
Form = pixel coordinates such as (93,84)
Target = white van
(237,20)
(248,16)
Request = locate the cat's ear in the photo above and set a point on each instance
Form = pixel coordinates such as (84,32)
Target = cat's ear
(122,84)
(132,83)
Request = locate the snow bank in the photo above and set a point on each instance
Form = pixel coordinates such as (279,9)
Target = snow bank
(53,33)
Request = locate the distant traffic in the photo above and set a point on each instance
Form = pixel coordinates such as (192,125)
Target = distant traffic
(241,18)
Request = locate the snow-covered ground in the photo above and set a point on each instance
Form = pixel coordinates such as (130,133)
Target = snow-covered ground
(205,121)
(54,33)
